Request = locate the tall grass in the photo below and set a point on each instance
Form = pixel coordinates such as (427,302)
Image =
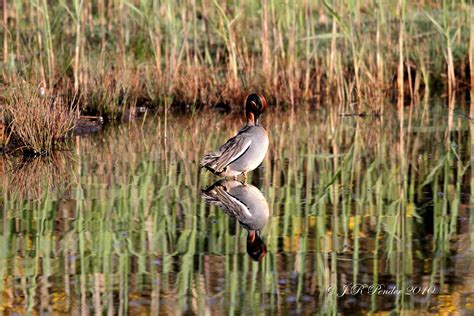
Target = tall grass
(130,234)
(205,52)
(36,122)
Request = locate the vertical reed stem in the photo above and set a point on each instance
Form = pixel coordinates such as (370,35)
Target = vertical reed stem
(401,4)
(471,51)
(5,32)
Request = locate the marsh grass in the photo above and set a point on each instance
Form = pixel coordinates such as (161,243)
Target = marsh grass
(37,121)
(203,53)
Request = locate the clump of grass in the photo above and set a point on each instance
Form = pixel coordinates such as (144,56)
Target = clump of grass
(37,122)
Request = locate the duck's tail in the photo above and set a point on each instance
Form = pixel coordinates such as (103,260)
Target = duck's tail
(210,195)
(209,160)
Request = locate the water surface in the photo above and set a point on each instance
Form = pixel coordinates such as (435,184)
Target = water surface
(118,225)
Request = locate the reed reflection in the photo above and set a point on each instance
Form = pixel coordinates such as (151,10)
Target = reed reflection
(247,204)
(30,178)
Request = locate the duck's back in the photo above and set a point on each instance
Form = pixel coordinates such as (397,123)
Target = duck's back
(255,153)
(256,213)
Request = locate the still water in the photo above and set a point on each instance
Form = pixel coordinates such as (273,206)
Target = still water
(349,215)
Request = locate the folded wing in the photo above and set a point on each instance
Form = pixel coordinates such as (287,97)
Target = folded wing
(227,202)
(232,150)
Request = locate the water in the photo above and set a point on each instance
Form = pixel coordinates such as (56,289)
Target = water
(118,224)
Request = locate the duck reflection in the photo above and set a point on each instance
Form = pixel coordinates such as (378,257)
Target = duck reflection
(248,205)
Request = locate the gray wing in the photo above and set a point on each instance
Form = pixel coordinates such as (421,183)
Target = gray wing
(232,150)
(228,203)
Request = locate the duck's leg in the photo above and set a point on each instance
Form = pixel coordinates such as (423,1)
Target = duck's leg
(245,178)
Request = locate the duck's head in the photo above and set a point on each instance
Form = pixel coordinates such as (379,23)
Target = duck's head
(256,248)
(255,105)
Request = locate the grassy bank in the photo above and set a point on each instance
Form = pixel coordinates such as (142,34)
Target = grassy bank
(115,53)
(115,56)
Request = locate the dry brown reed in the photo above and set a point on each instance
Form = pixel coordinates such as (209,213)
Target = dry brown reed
(36,120)
(123,53)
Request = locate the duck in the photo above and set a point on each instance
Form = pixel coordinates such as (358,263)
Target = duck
(247,204)
(245,151)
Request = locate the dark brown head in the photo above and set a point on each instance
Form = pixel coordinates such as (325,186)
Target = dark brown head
(256,248)
(255,104)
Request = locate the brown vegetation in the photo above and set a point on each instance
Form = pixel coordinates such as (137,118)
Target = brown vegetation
(118,54)
(36,121)
(115,56)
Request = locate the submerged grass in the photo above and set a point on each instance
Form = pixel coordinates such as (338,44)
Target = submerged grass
(115,54)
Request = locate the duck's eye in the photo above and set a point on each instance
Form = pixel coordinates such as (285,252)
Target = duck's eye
(254,105)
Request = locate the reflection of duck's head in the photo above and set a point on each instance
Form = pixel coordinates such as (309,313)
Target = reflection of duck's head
(256,248)
(247,204)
